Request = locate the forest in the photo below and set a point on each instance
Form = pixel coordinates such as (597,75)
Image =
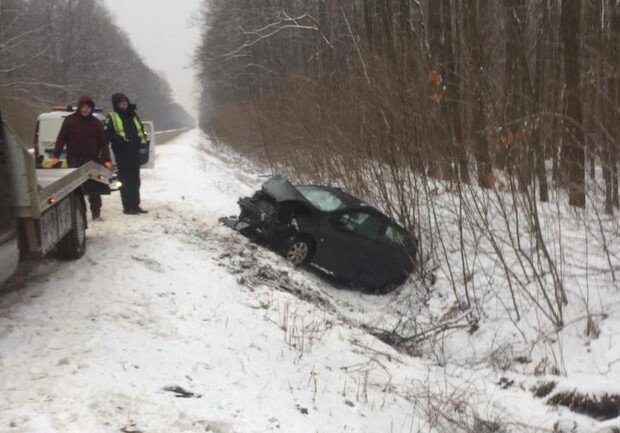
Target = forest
(53,51)
(459,90)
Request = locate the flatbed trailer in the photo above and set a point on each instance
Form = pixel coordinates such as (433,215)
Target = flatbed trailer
(41,209)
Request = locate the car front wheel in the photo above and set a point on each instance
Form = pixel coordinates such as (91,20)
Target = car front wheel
(299,251)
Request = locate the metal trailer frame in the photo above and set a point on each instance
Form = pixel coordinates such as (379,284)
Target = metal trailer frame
(44,199)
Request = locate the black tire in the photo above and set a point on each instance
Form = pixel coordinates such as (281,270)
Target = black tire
(299,251)
(385,289)
(73,245)
(389,287)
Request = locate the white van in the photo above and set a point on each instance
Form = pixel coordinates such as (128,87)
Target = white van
(48,127)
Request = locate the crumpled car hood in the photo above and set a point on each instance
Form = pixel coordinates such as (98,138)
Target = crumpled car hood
(281,190)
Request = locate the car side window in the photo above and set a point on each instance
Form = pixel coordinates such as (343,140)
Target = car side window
(393,235)
(360,223)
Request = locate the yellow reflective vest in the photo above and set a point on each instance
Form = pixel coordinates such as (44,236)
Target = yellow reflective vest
(117,122)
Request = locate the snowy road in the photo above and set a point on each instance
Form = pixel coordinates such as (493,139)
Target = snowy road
(91,346)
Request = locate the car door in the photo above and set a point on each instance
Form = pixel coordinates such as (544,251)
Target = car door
(387,258)
(147,152)
(344,241)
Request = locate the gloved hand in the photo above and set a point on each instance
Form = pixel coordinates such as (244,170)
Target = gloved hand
(108,165)
(55,162)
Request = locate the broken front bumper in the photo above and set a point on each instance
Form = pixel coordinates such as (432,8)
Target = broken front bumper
(261,217)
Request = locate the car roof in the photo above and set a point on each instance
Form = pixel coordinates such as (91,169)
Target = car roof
(55,115)
(352,203)
(278,185)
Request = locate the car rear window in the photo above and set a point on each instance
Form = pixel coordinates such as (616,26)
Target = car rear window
(321,198)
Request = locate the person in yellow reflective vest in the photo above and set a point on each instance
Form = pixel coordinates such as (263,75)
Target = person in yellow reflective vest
(126,133)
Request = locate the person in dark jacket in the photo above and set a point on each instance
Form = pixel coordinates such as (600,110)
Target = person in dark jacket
(126,133)
(84,138)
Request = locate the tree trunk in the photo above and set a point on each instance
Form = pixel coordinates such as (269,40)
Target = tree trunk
(368,20)
(474,39)
(518,87)
(406,35)
(453,98)
(435,155)
(614,147)
(539,147)
(324,55)
(388,28)
(574,148)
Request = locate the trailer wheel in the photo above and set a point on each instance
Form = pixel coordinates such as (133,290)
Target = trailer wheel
(73,245)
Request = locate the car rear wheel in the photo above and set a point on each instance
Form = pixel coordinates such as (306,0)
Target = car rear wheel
(390,286)
(299,251)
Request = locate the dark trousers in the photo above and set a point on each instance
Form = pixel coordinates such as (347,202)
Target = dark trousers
(95,204)
(128,164)
(94,198)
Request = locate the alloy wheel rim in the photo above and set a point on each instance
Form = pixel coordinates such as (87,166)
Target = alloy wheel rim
(298,252)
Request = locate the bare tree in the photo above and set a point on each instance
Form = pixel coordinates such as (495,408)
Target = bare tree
(573,152)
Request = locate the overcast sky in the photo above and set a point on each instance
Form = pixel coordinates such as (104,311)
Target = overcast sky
(162,33)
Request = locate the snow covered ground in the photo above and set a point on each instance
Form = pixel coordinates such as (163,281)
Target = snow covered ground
(173,323)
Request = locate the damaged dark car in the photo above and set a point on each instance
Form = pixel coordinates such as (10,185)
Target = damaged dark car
(332,230)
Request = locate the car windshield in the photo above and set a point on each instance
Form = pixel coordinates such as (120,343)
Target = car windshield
(321,198)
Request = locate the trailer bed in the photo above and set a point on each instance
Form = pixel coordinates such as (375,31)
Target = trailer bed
(47,176)
(55,184)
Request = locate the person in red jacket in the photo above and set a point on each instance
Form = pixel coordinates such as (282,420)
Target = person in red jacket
(84,138)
